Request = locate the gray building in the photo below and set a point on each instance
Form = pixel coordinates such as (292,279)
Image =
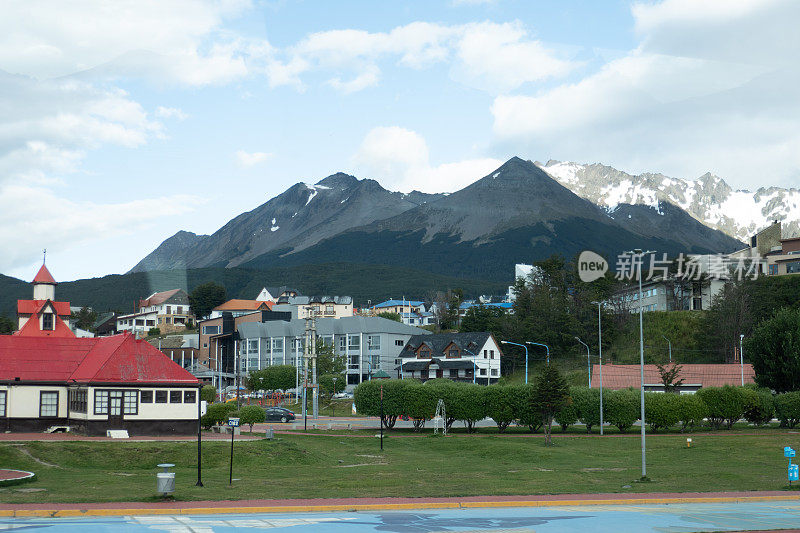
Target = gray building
(369,344)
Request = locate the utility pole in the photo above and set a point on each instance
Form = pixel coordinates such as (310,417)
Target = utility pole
(314,384)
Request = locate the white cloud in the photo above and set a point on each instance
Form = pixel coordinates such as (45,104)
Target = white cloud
(471,2)
(496,57)
(678,103)
(249,159)
(170,112)
(399,159)
(33,218)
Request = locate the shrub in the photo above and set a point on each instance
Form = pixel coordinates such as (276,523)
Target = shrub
(787,408)
(419,402)
(217,413)
(759,406)
(587,404)
(568,415)
(725,405)
(446,390)
(251,414)
(154,332)
(525,411)
(500,405)
(367,397)
(661,410)
(621,408)
(691,410)
(469,405)
(208,393)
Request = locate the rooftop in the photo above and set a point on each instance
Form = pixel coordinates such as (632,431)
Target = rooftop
(706,375)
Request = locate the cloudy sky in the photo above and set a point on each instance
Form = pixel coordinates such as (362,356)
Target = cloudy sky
(122,122)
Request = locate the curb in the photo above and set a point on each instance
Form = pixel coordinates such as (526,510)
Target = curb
(24,477)
(76,512)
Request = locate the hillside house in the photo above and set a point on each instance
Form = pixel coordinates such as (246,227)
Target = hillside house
(457,356)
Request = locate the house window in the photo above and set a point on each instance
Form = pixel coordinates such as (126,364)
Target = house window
(485,354)
(773,270)
(146,396)
(48,404)
(211,330)
(48,324)
(342,341)
(77,401)
(494,371)
(3,395)
(399,342)
(424,353)
(353,342)
(793,267)
(101,402)
(453,352)
(491,354)
(161,396)
(252,346)
(453,373)
(329,309)
(140,322)
(277,345)
(175,396)
(169,309)
(130,406)
(374,342)
(483,372)
(180,310)
(189,396)
(151,322)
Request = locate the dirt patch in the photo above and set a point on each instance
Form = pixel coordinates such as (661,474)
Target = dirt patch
(24,451)
(603,469)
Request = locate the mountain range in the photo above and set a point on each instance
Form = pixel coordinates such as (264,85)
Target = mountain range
(709,199)
(518,213)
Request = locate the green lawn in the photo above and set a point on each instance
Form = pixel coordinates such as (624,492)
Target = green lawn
(299,466)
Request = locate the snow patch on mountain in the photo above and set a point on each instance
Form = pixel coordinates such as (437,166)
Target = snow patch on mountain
(709,199)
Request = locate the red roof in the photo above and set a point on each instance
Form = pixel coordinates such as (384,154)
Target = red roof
(116,359)
(243,305)
(706,375)
(44,276)
(29,307)
(32,327)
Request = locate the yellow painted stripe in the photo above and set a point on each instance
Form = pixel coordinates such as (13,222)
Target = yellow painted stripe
(64,513)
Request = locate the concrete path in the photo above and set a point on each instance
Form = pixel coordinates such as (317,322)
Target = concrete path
(686,517)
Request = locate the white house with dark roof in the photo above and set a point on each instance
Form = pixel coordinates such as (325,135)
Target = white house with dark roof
(167,310)
(458,356)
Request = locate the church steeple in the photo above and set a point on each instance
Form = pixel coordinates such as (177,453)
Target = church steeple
(44,285)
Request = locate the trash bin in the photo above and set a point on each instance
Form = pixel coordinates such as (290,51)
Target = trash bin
(270,433)
(165,482)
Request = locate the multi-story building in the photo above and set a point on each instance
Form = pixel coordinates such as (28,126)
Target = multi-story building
(238,307)
(318,306)
(168,311)
(457,356)
(398,306)
(786,260)
(368,344)
(661,294)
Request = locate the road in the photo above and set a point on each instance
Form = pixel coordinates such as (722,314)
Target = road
(595,518)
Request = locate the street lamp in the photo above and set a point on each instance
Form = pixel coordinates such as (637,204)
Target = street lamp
(588,361)
(741,356)
(545,347)
(600,358)
(474,365)
(526,356)
(640,254)
(670,347)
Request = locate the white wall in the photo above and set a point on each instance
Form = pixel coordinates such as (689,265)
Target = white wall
(22,401)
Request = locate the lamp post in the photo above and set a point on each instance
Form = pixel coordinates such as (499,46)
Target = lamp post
(588,361)
(640,254)
(526,356)
(600,358)
(474,365)
(333,407)
(545,347)
(741,356)
(670,347)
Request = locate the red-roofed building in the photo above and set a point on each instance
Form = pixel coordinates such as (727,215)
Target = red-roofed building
(695,376)
(93,385)
(43,316)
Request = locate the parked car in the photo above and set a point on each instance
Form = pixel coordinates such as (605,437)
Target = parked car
(278,414)
(343,395)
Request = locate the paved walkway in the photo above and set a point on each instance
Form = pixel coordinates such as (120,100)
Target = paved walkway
(681,517)
(362,504)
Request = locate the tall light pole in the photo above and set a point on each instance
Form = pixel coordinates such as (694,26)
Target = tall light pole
(588,361)
(600,358)
(526,356)
(640,254)
(741,356)
(545,347)
(474,365)
(670,347)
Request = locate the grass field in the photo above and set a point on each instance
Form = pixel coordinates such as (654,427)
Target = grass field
(319,466)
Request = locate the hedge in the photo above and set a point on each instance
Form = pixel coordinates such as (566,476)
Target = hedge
(787,408)
(621,408)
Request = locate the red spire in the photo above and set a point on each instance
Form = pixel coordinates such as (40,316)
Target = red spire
(44,276)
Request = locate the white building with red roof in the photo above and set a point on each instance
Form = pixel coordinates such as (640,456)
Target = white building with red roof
(50,378)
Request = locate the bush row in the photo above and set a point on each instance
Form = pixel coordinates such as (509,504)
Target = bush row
(721,407)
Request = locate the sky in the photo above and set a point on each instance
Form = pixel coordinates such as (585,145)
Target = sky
(123,122)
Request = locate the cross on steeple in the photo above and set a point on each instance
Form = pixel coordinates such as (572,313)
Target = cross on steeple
(44,256)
